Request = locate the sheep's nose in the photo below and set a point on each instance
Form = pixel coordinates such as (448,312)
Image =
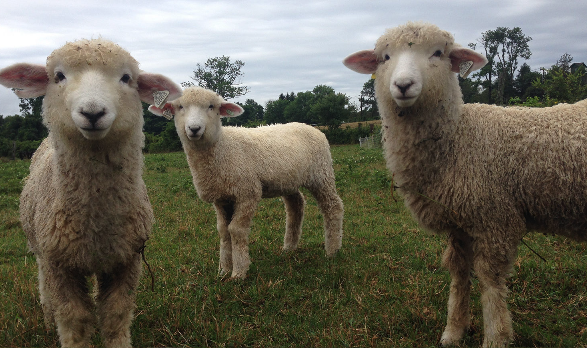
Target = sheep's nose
(195,130)
(404,87)
(93,117)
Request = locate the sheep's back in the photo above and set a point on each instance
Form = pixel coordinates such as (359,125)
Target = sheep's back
(526,161)
(275,160)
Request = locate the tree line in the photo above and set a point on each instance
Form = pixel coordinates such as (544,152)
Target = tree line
(503,81)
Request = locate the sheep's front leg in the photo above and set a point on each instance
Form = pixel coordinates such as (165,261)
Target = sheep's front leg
(71,305)
(224,212)
(294,210)
(239,229)
(492,264)
(458,258)
(116,302)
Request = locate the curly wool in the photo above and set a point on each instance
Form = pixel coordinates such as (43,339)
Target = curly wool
(84,207)
(483,174)
(236,167)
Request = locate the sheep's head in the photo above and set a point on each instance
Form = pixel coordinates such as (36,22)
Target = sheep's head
(94,82)
(413,60)
(197,114)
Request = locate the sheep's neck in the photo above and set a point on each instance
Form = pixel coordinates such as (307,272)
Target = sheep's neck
(94,167)
(419,142)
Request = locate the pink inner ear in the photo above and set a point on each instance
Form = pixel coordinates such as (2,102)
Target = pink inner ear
(230,110)
(169,106)
(149,83)
(461,54)
(30,79)
(364,62)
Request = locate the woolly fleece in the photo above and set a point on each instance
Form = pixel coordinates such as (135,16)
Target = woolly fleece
(84,207)
(484,175)
(236,167)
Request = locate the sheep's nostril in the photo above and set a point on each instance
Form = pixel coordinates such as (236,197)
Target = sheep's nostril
(195,130)
(93,117)
(404,88)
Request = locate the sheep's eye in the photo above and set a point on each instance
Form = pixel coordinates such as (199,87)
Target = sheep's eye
(181,107)
(438,53)
(125,78)
(59,77)
(387,57)
(211,107)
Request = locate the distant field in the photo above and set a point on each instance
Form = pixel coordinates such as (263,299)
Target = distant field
(356,124)
(385,288)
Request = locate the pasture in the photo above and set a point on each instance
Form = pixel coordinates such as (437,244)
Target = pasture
(386,287)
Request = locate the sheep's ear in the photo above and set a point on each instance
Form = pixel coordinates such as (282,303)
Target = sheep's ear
(363,62)
(167,111)
(152,83)
(28,80)
(230,109)
(464,61)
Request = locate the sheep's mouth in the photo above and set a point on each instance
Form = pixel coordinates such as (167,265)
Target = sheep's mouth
(405,102)
(93,133)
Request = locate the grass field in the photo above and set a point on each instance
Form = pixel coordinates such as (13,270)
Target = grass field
(385,288)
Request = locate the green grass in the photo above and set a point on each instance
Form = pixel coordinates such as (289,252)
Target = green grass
(385,288)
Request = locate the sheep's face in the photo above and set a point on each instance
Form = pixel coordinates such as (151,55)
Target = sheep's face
(414,62)
(198,113)
(93,89)
(410,59)
(96,89)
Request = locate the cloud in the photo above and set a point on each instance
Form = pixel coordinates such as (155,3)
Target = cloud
(286,46)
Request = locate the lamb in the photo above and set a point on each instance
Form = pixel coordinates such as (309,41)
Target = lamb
(482,174)
(236,167)
(84,207)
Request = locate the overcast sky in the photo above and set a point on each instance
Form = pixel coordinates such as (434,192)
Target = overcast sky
(287,46)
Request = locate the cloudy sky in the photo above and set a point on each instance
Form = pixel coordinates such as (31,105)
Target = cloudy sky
(287,46)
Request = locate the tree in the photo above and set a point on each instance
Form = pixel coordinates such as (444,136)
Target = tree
(503,47)
(559,86)
(329,108)
(274,111)
(524,83)
(564,63)
(298,110)
(220,75)
(367,101)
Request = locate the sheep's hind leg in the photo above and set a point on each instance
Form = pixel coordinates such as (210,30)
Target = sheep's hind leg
(239,229)
(294,209)
(224,213)
(458,258)
(116,303)
(332,210)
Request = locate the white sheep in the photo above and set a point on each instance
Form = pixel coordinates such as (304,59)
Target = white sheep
(236,167)
(84,207)
(482,174)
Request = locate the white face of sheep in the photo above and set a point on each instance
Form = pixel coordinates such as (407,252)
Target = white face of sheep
(95,94)
(406,68)
(93,97)
(198,113)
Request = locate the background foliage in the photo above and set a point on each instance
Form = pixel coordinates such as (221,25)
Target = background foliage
(505,80)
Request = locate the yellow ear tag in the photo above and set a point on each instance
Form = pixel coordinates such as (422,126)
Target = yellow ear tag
(230,113)
(372,76)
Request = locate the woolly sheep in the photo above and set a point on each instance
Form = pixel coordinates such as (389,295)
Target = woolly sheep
(236,167)
(483,174)
(84,207)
